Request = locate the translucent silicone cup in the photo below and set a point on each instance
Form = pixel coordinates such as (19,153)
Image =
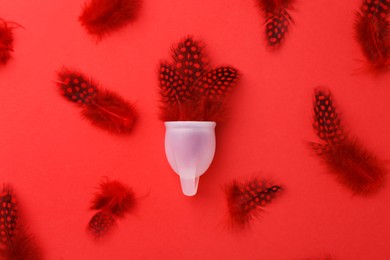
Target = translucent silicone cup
(190,149)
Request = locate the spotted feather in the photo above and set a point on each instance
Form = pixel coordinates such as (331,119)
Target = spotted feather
(190,60)
(8,217)
(218,82)
(172,85)
(376,8)
(246,199)
(326,118)
(372,31)
(76,88)
(345,156)
(277,19)
(15,242)
(103,108)
(101,223)
(189,89)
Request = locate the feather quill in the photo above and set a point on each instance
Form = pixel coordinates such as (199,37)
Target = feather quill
(372,31)
(190,89)
(247,199)
(278,20)
(354,166)
(6,41)
(101,107)
(101,17)
(15,242)
(113,201)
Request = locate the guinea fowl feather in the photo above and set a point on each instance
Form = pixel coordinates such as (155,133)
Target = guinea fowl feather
(190,89)
(277,20)
(15,242)
(103,108)
(113,201)
(346,157)
(372,31)
(247,199)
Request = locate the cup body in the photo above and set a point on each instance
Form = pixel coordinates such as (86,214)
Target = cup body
(190,149)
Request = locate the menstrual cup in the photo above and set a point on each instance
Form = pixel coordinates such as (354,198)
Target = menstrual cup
(190,148)
(194,97)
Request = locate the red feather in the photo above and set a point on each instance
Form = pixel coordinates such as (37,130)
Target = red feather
(6,41)
(101,17)
(345,156)
(372,32)
(278,19)
(15,242)
(114,197)
(246,200)
(102,108)
(190,90)
(113,201)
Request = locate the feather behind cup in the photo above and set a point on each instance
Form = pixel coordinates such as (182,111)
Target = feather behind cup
(190,89)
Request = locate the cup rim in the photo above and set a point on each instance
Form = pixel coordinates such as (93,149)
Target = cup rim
(190,124)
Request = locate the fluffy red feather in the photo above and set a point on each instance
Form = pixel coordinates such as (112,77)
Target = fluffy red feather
(113,201)
(192,91)
(101,107)
(278,19)
(114,197)
(101,17)
(15,242)
(246,199)
(372,32)
(6,41)
(345,156)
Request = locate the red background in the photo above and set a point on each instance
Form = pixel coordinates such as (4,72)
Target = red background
(55,159)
